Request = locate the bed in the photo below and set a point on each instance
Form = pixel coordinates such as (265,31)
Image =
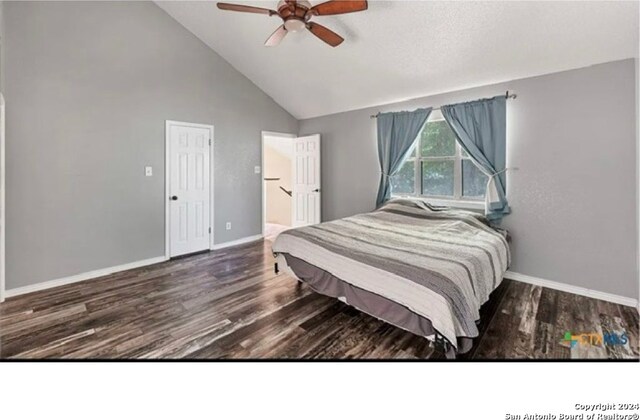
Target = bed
(422,268)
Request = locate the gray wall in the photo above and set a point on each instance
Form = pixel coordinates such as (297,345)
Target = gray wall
(88,88)
(572,136)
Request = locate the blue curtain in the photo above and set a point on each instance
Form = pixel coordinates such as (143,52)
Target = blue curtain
(397,132)
(481,129)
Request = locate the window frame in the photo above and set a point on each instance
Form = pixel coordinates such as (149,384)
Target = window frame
(457,200)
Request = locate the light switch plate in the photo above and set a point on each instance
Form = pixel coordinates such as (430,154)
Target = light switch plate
(256,169)
(148,171)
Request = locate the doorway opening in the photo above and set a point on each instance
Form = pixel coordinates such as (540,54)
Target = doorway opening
(291,193)
(277,164)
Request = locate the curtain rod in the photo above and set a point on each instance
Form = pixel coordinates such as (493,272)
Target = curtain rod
(507,96)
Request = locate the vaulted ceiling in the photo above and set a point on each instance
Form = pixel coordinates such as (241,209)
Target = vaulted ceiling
(405,49)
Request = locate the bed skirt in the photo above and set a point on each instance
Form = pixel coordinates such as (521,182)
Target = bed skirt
(370,303)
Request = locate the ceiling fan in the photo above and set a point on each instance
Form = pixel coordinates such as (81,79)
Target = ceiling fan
(297,14)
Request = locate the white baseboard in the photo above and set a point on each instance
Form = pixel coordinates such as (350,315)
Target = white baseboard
(237,242)
(622,300)
(81,277)
(110,270)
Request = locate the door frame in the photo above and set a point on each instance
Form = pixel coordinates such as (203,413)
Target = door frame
(263,184)
(167,182)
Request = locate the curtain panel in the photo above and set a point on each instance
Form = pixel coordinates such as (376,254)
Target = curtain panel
(397,132)
(481,129)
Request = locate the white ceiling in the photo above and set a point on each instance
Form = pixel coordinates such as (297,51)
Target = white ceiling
(406,49)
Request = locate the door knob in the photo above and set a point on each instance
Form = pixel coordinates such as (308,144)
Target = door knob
(316,190)
(174,198)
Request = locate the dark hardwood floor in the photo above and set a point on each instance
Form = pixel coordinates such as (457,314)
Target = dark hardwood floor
(230,304)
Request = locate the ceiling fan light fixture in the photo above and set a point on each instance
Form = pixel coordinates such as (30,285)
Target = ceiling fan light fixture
(294,25)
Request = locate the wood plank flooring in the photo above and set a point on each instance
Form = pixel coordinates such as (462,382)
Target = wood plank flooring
(229,304)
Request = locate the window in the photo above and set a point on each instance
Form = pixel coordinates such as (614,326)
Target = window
(438,167)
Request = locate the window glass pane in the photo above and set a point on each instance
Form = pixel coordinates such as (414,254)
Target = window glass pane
(474,182)
(437,177)
(404,181)
(413,150)
(437,139)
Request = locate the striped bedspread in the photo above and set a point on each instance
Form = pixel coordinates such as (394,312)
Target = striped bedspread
(440,263)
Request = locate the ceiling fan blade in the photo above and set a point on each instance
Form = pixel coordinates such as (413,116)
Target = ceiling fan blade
(247,9)
(276,37)
(338,7)
(325,34)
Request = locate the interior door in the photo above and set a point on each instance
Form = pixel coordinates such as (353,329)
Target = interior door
(306,191)
(189,188)
(2,199)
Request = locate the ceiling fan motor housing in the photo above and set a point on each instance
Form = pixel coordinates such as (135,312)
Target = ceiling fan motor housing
(294,14)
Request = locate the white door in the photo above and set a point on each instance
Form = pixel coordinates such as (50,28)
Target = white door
(189,188)
(305,184)
(2,202)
